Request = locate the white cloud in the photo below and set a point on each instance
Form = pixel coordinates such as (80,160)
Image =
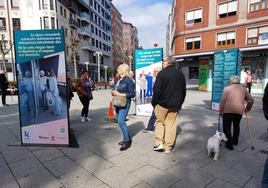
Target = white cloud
(123,3)
(151,21)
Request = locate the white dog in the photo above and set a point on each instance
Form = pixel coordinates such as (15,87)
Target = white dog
(214,144)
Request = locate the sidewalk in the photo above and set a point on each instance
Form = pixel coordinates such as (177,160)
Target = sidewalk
(98,163)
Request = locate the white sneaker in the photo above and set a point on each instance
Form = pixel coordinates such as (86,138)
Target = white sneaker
(87,119)
(83,119)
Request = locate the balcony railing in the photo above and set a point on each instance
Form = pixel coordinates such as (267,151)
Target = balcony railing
(85,16)
(73,23)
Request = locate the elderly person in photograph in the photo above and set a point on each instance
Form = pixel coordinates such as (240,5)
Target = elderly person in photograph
(232,108)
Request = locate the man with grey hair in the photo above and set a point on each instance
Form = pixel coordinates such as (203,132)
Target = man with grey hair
(232,108)
(169,94)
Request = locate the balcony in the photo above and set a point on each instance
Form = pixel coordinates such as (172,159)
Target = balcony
(86,31)
(73,23)
(73,7)
(85,17)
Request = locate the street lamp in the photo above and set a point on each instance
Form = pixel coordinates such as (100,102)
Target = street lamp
(105,69)
(98,54)
(130,62)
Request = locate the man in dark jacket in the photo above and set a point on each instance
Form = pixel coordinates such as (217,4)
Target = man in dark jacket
(169,94)
(3,86)
(265,111)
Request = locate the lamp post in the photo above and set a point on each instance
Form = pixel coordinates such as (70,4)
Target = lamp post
(130,62)
(98,54)
(105,69)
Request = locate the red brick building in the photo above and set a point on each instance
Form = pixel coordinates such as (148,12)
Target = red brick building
(117,35)
(203,27)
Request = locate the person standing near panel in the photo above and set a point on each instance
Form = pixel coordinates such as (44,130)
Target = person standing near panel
(3,86)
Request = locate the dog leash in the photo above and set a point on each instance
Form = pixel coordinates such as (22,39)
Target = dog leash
(219,123)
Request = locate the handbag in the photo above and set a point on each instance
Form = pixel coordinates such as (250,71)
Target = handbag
(119,101)
(90,96)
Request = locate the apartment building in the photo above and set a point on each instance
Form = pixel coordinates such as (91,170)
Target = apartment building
(117,36)
(203,27)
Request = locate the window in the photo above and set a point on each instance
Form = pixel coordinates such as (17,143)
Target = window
(51,4)
(61,11)
(226,39)
(96,31)
(97,43)
(194,16)
(46,23)
(193,43)
(2,3)
(16,24)
(64,13)
(255,5)
(53,23)
(15,4)
(258,35)
(45,4)
(227,9)
(2,23)
(92,28)
(93,42)
(99,33)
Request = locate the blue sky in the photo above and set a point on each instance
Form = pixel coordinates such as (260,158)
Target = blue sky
(149,16)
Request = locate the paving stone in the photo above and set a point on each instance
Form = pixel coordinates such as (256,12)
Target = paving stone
(26,167)
(42,179)
(16,153)
(3,166)
(79,178)
(94,164)
(128,161)
(117,178)
(61,166)
(225,173)
(155,177)
(47,154)
(253,183)
(8,181)
(77,153)
(219,183)
(184,183)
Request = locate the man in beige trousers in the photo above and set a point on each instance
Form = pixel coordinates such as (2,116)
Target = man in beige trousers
(169,94)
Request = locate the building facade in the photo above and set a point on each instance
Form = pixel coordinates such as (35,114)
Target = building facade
(87,26)
(203,27)
(117,36)
(130,41)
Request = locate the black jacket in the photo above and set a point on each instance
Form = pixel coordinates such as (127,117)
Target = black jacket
(3,82)
(265,102)
(169,89)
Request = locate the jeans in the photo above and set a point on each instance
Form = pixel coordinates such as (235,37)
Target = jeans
(265,175)
(4,93)
(121,117)
(151,122)
(228,120)
(85,101)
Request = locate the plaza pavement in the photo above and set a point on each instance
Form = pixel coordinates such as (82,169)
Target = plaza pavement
(98,163)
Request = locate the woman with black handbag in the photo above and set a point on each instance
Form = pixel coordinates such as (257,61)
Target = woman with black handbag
(122,94)
(85,95)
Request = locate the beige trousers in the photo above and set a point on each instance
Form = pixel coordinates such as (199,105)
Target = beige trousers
(166,127)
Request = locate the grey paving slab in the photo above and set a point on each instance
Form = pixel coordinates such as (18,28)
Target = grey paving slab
(16,153)
(77,153)
(26,167)
(80,178)
(61,166)
(155,177)
(115,177)
(3,166)
(143,185)
(184,183)
(95,164)
(48,153)
(42,179)
(8,181)
(225,173)
(219,183)
(253,183)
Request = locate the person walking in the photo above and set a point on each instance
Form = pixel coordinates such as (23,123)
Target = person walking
(169,94)
(3,86)
(43,88)
(85,95)
(232,108)
(249,81)
(125,87)
(265,111)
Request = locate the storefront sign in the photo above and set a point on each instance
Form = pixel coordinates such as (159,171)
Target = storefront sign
(148,63)
(41,75)
(263,38)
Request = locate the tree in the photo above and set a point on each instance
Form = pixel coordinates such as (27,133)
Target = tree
(4,50)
